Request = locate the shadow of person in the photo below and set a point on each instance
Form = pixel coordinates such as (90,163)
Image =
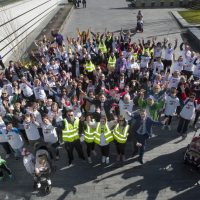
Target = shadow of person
(166,172)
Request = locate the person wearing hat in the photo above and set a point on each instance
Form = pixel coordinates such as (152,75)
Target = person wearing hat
(4,167)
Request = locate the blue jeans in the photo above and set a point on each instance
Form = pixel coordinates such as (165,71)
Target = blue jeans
(142,140)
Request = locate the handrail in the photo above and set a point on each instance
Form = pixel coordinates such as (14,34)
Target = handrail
(22,27)
(24,13)
(25,36)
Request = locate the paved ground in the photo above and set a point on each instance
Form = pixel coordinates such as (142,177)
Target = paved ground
(163,176)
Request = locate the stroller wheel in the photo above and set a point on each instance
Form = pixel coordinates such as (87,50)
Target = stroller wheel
(185,159)
(48,189)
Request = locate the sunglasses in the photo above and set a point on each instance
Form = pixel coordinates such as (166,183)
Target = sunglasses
(70,115)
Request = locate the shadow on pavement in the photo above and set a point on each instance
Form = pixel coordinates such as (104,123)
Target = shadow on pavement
(164,172)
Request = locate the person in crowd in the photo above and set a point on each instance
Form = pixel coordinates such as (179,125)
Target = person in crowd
(87,86)
(143,130)
(120,134)
(70,135)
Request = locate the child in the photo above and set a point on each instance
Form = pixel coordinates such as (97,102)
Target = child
(31,128)
(50,135)
(171,104)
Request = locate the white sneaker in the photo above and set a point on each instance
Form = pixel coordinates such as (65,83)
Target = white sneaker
(107,160)
(94,153)
(163,127)
(38,185)
(89,160)
(7,156)
(103,159)
(169,128)
(49,182)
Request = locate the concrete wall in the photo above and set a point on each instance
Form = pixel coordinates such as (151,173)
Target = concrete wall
(194,34)
(18,20)
(161,3)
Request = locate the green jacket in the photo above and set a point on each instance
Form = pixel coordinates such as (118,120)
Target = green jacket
(153,110)
(2,161)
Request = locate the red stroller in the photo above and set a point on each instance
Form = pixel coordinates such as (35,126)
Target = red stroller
(192,154)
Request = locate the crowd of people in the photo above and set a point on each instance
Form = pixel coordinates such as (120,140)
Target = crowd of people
(97,89)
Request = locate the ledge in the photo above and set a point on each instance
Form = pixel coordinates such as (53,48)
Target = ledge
(182,21)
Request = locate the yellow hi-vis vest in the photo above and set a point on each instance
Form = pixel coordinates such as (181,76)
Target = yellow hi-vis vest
(102,46)
(89,66)
(70,132)
(89,134)
(120,137)
(112,62)
(135,56)
(147,50)
(107,134)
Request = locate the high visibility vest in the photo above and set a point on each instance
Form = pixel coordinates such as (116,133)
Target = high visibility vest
(146,50)
(107,134)
(120,137)
(89,66)
(70,132)
(89,134)
(112,62)
(135,56)
(102,46)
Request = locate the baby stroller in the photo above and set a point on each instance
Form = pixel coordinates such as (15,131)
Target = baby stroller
(139,26)
(192,154)
(43,168)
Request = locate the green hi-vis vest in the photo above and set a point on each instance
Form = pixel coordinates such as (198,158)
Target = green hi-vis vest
(89,134)
(120,137)
(89,66)
(102,46)
(107,134)
(112,62)
(70,132)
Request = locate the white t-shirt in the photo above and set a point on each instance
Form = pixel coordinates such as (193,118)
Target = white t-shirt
(189,66)
(28,163)
(135,65)
(27,91)
(169,52)
(157,52)
(125,107)
(157,67)
(196,72)
(49,133)
(145,61)
(3,137)
(39,93)
(31,130)
(188,110)
(173,82)
(14,139)
(54,68)
(171,105)
(178,66)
